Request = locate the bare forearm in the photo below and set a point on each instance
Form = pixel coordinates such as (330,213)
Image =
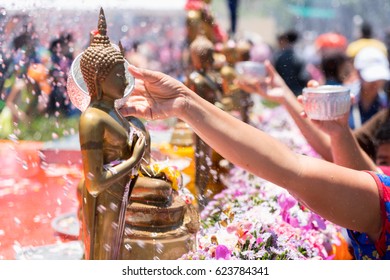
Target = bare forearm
(347,152)
(314,181)
(240,143)
(316,138)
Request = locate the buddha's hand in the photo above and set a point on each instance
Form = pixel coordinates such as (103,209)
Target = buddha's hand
(155,96)
(164,172)
(138,149)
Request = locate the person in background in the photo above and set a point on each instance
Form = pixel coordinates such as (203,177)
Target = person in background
(61,58)
(373,71)
(366,39)
(336,67)
(288,64)
(135,57)
(382,158)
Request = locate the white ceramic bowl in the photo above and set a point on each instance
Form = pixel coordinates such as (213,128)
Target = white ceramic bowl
(250,71)
(77,88)
(326,102)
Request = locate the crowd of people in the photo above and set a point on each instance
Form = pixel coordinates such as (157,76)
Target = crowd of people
(33,83)
(35,64)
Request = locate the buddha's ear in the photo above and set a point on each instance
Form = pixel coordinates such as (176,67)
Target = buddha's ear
(99,92)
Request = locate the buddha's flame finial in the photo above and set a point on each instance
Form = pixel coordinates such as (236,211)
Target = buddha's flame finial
(102,25)
(121,49)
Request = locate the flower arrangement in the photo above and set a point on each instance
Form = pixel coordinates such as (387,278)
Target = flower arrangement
(254,219)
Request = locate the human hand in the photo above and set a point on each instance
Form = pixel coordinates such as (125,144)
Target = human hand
(331,127)
(155,96)
(272,88)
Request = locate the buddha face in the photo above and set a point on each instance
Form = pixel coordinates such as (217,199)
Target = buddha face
(115,83)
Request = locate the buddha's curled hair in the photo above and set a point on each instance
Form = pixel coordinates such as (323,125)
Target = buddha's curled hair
(100,57)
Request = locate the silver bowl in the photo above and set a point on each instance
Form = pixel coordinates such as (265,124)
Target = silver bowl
(326,102)
(77,88)
(250,71)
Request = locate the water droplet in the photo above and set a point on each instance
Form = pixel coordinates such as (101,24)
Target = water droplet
(140,243)
(44,165)
(113,206)
(13,138)
(54,135)
(37,219)
(90,176)
(159,247)
(59,202)
(25,165)
(128,231)
(124,28)
(101,209)
(114,225)
(107,247)
(209,192)
(153,234)
(128,247)
(17,221)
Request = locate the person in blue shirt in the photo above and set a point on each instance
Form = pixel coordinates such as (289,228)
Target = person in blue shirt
(373,71)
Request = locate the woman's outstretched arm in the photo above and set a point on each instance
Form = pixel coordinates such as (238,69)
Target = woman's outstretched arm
(344,196)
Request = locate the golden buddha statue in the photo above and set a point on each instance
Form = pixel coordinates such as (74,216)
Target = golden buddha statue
(123,198)
(199,20)
(243,49)
(206,82)
(240,101)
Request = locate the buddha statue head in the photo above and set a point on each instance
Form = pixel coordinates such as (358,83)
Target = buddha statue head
(243,50)
(230,52)
(100,59)
(201,51)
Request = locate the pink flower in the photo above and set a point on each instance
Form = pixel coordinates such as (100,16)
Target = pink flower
(286,202)
(232,228)
(259,240)
(222,253)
